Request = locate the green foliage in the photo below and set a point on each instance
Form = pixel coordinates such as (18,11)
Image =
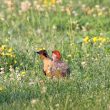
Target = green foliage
(79,29)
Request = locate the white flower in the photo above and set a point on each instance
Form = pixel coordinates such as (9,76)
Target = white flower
(39,31)
(2,69)
(2,72)
(25,6)
(75,13)
(59,1)
(97,6)
(83,64)
(57,105)
(31,83)
(34,101)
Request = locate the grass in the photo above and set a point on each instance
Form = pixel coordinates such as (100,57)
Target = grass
(22,83)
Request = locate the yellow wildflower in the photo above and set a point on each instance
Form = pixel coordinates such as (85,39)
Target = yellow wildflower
(23,73)
(10,50)
(3,47)
(53,2)
(100,13)
(86,39)
(46,2)
(8,54)
(102,39)
(12,55)
(95,39)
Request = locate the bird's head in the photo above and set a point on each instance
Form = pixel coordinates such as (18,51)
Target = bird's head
(56,55)
(42,53)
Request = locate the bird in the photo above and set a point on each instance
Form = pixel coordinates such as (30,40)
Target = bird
(53,67)
(59,67)
(47,61)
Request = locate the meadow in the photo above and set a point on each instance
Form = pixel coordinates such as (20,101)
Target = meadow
(80,30)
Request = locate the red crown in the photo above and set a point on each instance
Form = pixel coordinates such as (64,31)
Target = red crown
(57,53)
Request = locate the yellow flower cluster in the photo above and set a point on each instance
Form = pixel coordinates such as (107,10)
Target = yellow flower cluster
(52,2)
(99,39)
(86,39)
(95,39)
(6,51)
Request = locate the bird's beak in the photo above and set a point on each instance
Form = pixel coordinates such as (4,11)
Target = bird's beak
(36,52)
